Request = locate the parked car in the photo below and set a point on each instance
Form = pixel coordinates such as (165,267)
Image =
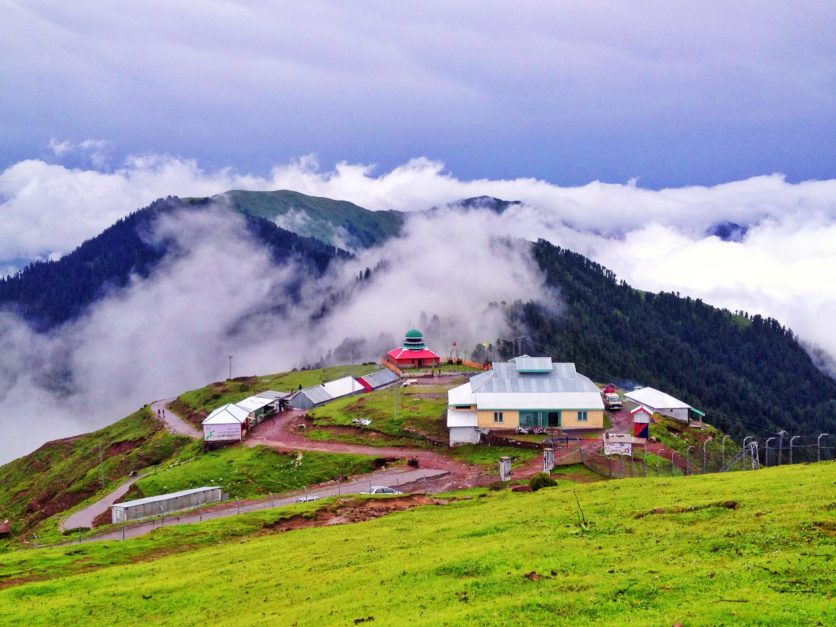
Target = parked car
(307,498)
(382,489)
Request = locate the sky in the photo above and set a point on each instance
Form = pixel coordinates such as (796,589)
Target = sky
(669,93)
(627,131)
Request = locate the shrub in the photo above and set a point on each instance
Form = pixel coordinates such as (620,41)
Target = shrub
(541,480)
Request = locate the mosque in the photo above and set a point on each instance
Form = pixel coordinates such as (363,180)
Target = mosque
(414,352)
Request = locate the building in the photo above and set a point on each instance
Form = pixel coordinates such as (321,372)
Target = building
(642,417)
(310,397)
(524,392)
(377,380)
(664,404)
(228,423)
(413,353)
(163,504)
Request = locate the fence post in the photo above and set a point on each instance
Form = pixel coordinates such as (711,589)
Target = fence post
(793,438)
(818,445)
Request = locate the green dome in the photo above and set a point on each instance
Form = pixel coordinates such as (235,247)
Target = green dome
(414,334)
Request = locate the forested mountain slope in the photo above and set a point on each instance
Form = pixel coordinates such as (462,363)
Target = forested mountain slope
(48,293)
(337,222)
(749,373)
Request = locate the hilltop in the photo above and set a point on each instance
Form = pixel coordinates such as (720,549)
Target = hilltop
(714,549)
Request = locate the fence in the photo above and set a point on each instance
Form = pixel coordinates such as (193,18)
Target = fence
(713,456)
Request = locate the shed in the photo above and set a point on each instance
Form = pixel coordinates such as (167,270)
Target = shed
(227,423)
(641,421)
(163,503)
(258,408)
(660,402)
(308,398)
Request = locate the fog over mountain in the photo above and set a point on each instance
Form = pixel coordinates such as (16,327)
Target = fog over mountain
(173,330)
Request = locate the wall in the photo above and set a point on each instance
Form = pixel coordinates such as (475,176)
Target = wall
(511,420)
(464,435)
(222,433)
(595,419)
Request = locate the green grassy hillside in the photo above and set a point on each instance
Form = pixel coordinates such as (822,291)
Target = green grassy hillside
(63,473)
(714,549)
(337,222)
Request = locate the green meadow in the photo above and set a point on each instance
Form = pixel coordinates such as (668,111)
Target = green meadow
(718,549)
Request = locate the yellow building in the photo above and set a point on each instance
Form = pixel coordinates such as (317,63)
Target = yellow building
(524,392)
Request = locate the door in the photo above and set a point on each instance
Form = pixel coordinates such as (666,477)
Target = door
(554,418)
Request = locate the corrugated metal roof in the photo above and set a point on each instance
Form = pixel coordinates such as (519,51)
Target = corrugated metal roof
(342,387)
(656,399)
(459,418)
(380,378)
(533,364)
(505,378)
(253,403)
(316,393)
(226,414)
(272,394)
(163,497)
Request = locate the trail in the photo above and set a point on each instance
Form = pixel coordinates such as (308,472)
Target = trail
(84,518)
(172,421)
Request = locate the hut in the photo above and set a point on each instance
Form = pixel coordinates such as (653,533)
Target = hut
(228,423)
(310,397)
(378,379)
(642,417)
(163,503)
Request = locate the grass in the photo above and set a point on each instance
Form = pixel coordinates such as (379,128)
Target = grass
(714,549)
(195,405)
(488,456)
(244,471)
(418,416)
(64,474)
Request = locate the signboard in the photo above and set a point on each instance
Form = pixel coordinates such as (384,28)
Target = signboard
(221,433)
(618,448)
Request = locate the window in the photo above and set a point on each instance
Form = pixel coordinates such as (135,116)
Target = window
(582,417)
(498,417)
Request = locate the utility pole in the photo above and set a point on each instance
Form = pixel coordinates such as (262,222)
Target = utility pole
(818,446)
(519,340)
(230,366)
(781,435)
(792,439)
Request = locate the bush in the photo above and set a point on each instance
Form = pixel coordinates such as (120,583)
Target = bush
(541,480)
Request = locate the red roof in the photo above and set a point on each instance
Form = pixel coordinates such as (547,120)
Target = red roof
(405,353)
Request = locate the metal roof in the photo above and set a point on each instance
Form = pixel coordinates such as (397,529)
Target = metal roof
(273,395)
(316,393)
(506,387)
(505,378)
(227,414)
(342,387)
(254,403)
(164,497)
(380,378)
(656,399)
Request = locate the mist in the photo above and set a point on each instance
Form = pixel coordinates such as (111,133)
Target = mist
(213,294)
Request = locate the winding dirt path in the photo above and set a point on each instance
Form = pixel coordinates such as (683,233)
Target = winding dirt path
(84,518)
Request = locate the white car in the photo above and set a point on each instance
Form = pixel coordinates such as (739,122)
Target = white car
(382,489)
(307,499)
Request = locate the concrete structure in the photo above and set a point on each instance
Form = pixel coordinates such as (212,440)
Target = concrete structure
(463,426)
(662,403)
(228,423)
(525,392)
(310,397)
(163,504)
(413,353)
(377,380)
